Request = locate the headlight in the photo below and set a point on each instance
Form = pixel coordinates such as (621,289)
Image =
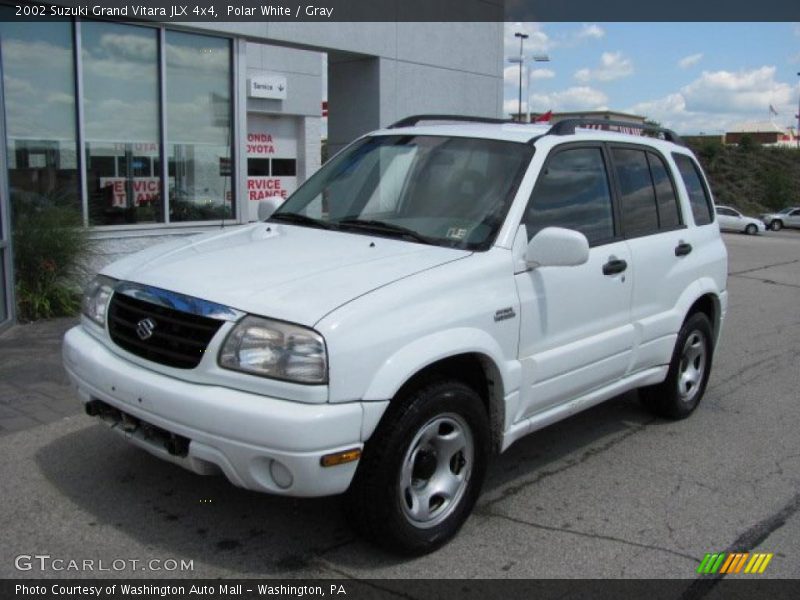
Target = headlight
(275,349)
(95,298)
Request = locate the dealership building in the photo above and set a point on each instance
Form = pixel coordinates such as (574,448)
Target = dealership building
(153,131)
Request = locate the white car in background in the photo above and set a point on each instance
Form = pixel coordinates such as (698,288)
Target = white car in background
(731,219)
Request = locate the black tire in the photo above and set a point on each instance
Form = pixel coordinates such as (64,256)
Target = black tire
(379,506)
(680,393)
(751,229)
(776,225)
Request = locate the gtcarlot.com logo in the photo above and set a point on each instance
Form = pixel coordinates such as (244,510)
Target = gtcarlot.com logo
(46,562)
(733,563)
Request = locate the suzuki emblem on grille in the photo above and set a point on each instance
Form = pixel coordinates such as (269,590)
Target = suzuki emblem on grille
(145,328)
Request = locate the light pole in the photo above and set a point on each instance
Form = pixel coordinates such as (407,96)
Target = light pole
(536,58)
(522,37)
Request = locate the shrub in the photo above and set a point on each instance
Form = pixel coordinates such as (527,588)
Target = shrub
(50,245)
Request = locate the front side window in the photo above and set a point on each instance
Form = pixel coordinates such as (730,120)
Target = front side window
(447,191)
(698,194)
(573,192)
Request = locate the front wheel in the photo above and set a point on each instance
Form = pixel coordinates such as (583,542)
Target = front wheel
(776,225)
(680,393)
(422,469)
(751,229)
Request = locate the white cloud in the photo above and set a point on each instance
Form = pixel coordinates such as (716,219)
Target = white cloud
(537,42)
(542,74)
(742,91)
(510,107)
(511,75)
(691,60)
(591,31)
(613,65)
(717,100)
(570,99)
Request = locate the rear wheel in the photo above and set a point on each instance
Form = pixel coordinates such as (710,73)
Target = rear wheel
(680,393)
(422,469)
(776,225)
(751,229)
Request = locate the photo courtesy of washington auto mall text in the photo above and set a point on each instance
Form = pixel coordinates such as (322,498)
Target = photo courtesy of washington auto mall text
(180,590)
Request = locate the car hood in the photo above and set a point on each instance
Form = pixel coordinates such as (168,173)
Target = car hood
(286,272)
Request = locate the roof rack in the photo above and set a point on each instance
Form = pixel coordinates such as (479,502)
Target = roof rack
(414,119)
(568,127)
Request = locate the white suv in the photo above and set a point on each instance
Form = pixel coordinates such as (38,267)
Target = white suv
(434,293)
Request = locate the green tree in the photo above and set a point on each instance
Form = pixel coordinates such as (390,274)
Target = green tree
(777,186)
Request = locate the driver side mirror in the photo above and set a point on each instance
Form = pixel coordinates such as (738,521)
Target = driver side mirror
(267,207)
(557,247)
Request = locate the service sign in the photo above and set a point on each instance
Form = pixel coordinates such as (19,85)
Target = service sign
(271,151)
(268,86)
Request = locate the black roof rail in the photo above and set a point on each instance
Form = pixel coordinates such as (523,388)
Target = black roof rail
(414,119)
(568,127)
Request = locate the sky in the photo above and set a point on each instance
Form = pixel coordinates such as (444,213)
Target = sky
(691,77)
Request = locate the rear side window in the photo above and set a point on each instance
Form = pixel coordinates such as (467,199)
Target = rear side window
(698,194)
(637,195)
(668,212)
(573,192)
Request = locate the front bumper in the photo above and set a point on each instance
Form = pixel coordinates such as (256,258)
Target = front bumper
(239,433)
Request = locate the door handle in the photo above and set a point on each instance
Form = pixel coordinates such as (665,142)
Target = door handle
(614,266)
(683,249)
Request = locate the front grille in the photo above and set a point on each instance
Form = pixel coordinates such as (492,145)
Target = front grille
(178,339)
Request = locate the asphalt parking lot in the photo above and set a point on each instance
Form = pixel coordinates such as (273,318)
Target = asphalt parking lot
(612,492)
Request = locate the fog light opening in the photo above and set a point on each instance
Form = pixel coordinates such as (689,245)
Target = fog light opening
(281,475)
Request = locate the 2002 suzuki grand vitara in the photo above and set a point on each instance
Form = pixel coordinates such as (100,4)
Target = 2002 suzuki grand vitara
(432,294)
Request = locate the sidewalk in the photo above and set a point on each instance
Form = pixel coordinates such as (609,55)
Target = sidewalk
(34,388)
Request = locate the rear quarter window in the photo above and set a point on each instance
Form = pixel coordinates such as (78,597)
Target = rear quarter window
(699,198)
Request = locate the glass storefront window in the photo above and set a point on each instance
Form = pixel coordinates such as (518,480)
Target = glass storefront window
(199,127)
(39,86)
(122,123)
(124,146)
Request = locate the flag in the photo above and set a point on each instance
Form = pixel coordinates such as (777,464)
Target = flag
(772,111)
(545,117)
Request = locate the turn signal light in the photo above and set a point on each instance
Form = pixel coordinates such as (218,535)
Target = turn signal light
(340,458)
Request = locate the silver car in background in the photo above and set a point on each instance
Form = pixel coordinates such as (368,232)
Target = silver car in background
(788,217)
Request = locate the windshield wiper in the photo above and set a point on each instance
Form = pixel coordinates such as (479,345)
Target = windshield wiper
(298,219)
(381,227)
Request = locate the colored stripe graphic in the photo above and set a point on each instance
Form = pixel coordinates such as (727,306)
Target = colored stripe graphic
(728,563)
(758,563)
(734,563)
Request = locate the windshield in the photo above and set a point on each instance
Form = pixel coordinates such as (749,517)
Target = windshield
(447,191)
(785,211)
